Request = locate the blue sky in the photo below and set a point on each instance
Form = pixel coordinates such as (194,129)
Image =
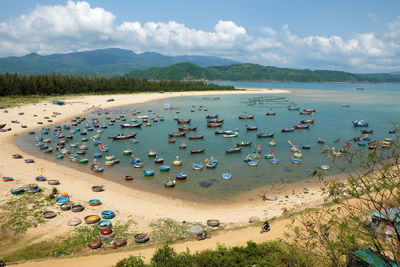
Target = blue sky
(357,36)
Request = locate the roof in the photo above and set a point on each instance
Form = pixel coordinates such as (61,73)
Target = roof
(372,258)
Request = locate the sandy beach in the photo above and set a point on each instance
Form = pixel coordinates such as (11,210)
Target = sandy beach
(128,203)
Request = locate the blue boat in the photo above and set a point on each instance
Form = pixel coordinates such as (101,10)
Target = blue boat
(98,169)
(212,116)
(61,200)
(296,160)
(361,143)
(31,132)
(360,123)
(104,223)
(253,163)
(59,156)
(164,168)
(107,214)
(265,135)
(274,160)
(181,176)
(226,175)
(197,166)
(17,191)
(33,189)
(40,178)
(148,172)
(97,155)
(94,202)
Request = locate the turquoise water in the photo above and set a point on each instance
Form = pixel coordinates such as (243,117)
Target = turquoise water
(377,103)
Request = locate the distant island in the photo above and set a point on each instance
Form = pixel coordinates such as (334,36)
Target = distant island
(115,62)
(253,72)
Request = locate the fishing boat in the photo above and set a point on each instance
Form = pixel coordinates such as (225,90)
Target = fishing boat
(296,160)
(246,117)
(360,123)
(234,150)
(128,178)
(177,162)
(122,136)
(270,113)
(179,134)
(137,164)
(252,163)
(148,172)
(215,121)
(286,130)
(212,116)
(197,166)
(307,121)
(214,124)
(33,188)
(226,175)
(181,176)
(94,202)
(187,128)
(230,134)
(170,183)
(366,131)
(320,141)
(98,169)
(274,160)
(127,152)
(196,137)
(83,160)
(8,179)
(171,140)
(301,126)
(306,146)
(164,168)
(393,131)
(297,155)
(265,135)
(305,113)
(129,125)
(183,121)
(152,153)
(158,160)
(183,145)
(292,108)
(309,110)
(243,143)
(272,143)
(110,157)
(201,150)
(251,128)
(59,156)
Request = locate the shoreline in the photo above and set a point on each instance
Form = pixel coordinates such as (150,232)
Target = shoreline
(119,197)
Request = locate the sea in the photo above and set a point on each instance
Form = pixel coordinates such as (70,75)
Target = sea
(336,105)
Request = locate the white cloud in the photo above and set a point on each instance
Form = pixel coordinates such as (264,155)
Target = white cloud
(373,17)
(77,26)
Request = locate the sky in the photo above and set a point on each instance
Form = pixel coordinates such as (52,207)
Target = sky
(361,36)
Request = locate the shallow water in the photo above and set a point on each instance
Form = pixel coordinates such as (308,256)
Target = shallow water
(377,104)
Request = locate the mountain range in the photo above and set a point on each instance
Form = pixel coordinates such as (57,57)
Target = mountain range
(103,62)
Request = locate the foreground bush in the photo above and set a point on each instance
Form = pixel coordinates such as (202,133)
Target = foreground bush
(272,253)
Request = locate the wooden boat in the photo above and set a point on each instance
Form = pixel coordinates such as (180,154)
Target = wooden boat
(148,172)
(306,146)
(360,123)
(164,168)
(179,134)
(196,137)
(243,143)
(181,176)
(214,124)
(296,160)
(94,202)
(122,136)
(246,117)
(307,121)
(251,128)
(158,160)
(17,191)
(365,131)
(170,183)
(3,125)
(107,214)
(285,130)
(270,113)
(309,110)
(234,150)
(229,134)
(128,125)
(212,116)
(183,121)
(187,128)
(92,219)
(301,126)
(98,188)
(215,121)
(320,141)
(140,238)
(265,135)
(128,178)
(305,113)
(194,151)
(219,132)
(182,146)
(252,163)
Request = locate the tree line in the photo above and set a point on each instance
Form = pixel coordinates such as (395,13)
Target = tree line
(55,84)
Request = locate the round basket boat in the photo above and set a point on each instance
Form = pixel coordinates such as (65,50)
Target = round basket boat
(53,182)
(74,221)
(8,179)
(62,200)
(49,214)
(95,244)
(94,202)
(16,191)
(213,222)
(105,231)
(29,161)
(111,247)
(77,208)
(120,242)
(148,172)
(104,223)
(128,178)
(141,238)
(107,214)
(91,219)
(98,188)
(65,206)
(40,178)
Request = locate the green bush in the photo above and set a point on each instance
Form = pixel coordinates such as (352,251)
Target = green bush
(131,261)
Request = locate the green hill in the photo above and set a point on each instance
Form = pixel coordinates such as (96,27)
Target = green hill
(254,72)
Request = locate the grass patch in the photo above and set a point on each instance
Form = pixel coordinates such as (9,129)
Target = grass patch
(168,230)
(21,212)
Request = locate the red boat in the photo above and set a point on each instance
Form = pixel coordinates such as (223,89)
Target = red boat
(301,126)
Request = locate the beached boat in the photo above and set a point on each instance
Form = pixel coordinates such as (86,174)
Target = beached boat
(122,136)
(201,150)
(18,190)
(94,202)
(360,123)
(107,214)
(2,125)
(128,125)
(265,135)
(179,134)
(170,183)
(246,117)
(196,137)
(243,143)
(8,179)
(234,150)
